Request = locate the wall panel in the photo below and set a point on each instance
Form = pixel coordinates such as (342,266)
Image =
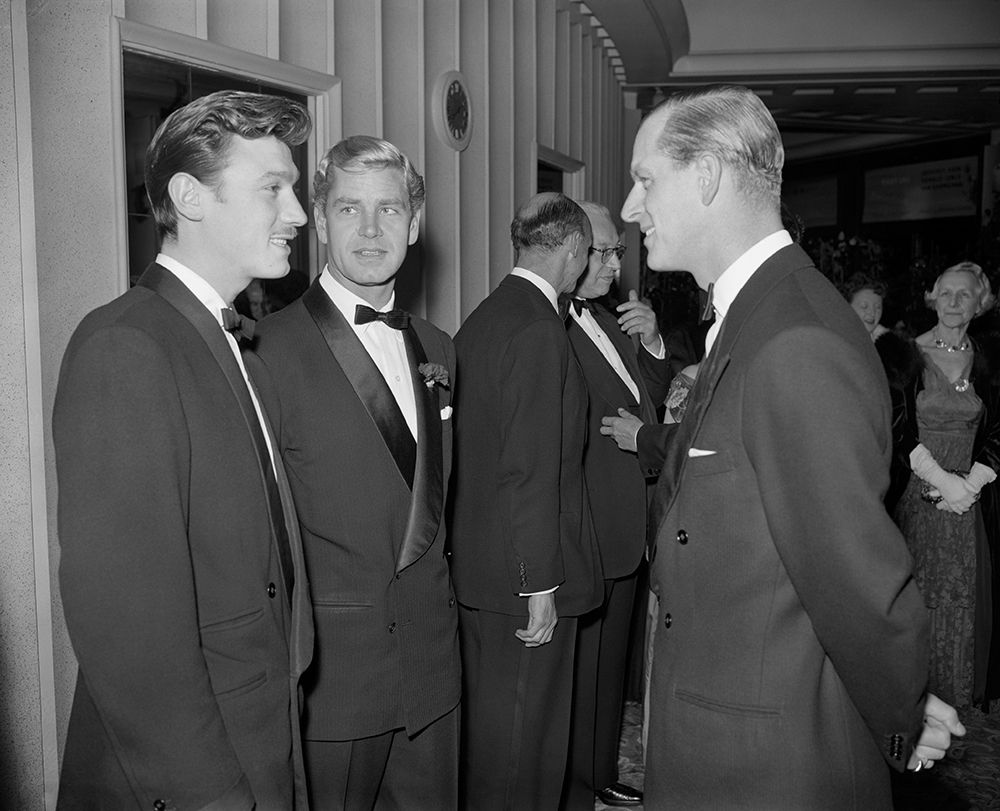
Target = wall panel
(442,234)
(563,85)
(474,174)
(246,25)
(525,155)
(358,62)
(546,48)
(501,123)
(304,29)
(28,745)
(183,16)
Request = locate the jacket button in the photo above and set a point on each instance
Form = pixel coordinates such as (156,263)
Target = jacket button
(667,621)
(159,805)
(682,537)
(271,590)
(392,627)
(451,602)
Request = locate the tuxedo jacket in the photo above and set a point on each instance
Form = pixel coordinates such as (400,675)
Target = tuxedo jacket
(616,485)
(521,520)
(791,657)
(189,648)
(370,502)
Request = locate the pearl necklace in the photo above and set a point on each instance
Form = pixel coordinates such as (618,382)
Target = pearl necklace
(941,344)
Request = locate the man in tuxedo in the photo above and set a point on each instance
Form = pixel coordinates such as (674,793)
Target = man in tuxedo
(624,365)
(361,405)
(791,652)
(182,574)
(524,556)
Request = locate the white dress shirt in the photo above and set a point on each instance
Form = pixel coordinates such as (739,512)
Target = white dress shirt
(210,297)
(383,343)
(733,278)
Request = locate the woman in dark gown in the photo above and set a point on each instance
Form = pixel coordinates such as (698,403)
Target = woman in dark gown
(948,455)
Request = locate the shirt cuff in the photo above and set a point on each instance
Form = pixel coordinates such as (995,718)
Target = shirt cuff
(536,593)
(661,351)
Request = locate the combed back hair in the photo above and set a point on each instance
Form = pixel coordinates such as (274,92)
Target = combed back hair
(857,282)
(986,297)
(365,153)
(544,222)
(732,123)
(196,138)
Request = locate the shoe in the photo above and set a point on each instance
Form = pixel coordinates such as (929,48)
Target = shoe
(618,795)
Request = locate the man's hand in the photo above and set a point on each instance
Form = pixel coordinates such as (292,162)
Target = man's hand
(638,318)
(542,619)
(940,723)
(623,429)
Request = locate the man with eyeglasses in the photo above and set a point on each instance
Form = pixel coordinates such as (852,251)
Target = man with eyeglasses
(624,365)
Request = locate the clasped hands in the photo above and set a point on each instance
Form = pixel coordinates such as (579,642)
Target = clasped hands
(953,493)
(940,724)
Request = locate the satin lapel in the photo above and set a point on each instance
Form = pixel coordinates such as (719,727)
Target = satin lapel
(602,380)
(365,378)
(428,476)
(627,349)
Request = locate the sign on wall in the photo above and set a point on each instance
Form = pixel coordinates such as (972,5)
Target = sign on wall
(922,191)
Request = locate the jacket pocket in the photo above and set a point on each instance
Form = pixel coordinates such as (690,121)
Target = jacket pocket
(727,708)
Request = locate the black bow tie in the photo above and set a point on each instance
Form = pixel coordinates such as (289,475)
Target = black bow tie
(581,304)
(241,326)
(397,319)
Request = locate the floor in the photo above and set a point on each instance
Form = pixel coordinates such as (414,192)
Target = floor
(968,779)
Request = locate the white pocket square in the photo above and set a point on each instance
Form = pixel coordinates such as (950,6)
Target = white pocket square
(446,413)
(693,452)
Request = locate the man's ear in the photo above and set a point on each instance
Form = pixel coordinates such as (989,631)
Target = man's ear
(186,193)
(709,171)
(574,242)
(414,228)
(319,215)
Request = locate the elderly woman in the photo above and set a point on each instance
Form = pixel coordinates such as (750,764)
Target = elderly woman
(949,438)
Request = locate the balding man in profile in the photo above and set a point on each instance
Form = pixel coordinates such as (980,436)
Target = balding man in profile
(524,557)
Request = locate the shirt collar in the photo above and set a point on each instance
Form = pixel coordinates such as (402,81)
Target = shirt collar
(546,289)
(731,282)
(346,300)
(201,289)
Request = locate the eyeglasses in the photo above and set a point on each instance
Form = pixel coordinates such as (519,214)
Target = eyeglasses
(606,253)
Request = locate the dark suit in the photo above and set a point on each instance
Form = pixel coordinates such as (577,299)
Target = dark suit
(189,648)
(370,502)
(617,491)
(521,525)
(791,656)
